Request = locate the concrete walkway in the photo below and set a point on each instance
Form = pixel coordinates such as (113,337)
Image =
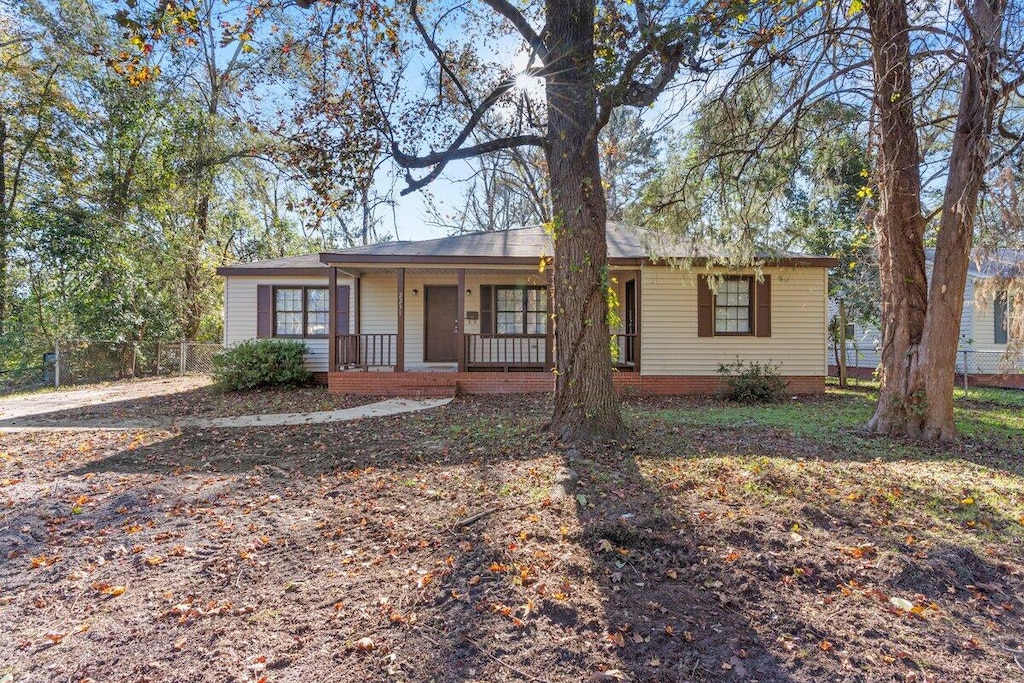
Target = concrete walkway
(395,406)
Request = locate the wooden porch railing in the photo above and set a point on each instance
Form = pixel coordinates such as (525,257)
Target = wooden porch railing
(367,350)
(507,351)
(483,351)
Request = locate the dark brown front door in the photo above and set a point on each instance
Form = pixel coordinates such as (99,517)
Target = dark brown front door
(441,304)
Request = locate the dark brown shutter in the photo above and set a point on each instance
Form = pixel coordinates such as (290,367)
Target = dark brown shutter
(487,309)
(264,311)
(763,300)
(705,308)
(343,305)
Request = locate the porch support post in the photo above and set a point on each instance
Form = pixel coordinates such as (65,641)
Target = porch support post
(460,323)
(549,339)
(400,351)
(332,320)
(357,306)
(638,277)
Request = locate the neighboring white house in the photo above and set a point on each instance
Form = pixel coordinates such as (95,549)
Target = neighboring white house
(985,332)
(471,313)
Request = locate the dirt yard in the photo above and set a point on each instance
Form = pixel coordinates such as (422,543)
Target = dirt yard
(721,544)
(157,402)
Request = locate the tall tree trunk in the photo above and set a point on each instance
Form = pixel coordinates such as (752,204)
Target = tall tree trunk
(5,229)
(899,223)
(586,406)
(367,215)
(937,358)
(205,181)
(192,279)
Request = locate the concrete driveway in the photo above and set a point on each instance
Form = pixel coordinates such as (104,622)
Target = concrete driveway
(39,403)
(28,412)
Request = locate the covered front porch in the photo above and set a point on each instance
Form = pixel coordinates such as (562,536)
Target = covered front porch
(432,320)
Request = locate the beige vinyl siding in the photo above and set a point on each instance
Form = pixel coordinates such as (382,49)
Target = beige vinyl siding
(985,324)
(670,345)
(240,312)
(379,304)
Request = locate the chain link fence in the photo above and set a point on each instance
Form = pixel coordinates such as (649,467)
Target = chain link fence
(86,361)
(973,366)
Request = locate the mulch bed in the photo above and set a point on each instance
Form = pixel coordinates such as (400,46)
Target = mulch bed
(334,552)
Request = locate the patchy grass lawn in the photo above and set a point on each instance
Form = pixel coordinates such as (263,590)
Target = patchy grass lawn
(723,543)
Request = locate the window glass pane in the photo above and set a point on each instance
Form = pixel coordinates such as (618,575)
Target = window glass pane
(536,323)
(289,323)
(510,323)
(316,300)
(316,322)
(288,300)
(537,299)
(510,300)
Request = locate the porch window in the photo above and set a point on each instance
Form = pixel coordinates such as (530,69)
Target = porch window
(521,310)
(733,306)
(301,311)
(1001,311)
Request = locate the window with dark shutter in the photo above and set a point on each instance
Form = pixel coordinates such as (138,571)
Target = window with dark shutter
(739,306)
(520,310)
(293,311)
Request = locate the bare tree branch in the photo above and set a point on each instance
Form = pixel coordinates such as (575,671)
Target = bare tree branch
(436,51)
(507,10)
(440,159)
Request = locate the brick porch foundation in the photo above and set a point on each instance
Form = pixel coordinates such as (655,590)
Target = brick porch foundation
(431,384)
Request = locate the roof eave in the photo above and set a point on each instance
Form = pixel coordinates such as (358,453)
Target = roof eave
(335,259)
(285,271)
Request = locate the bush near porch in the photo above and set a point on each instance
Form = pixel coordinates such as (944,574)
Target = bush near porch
(261,363)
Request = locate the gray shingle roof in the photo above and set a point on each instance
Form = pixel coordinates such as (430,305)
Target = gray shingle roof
(625,244)
(303,261)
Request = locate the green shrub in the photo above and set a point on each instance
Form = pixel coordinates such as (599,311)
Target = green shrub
(261,363)
(752,382)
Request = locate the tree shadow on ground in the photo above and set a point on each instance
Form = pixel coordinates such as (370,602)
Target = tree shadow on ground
(547,588)
(321,535)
